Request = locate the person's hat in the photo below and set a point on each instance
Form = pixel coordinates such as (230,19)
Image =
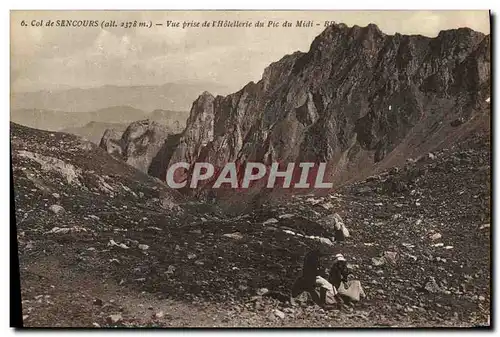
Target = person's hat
(339,257)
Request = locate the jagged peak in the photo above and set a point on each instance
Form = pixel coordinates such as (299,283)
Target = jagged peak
(342,27)
(206,94)
(462,31)
(337,31)
(204,97)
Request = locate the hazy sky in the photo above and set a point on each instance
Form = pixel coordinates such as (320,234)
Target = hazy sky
(55,57)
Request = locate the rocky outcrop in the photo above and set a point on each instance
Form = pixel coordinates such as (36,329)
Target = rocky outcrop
(359,99)
(111,142)
(141,146)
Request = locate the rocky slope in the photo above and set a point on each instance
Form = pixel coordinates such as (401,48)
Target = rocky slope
(359,99)
(103,244)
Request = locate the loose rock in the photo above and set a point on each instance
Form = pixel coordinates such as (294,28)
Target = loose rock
(279,313)
(235,235)
(113,319)
(56,209)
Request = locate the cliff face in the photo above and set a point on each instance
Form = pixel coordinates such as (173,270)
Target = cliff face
(351,100)
(144,145)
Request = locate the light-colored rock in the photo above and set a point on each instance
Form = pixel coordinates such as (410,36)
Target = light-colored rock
(487,225)
(313,201)
(378,261)
(143,247)
(113,243)
(326,241)
(56,209)
(67,171)
(60,230)
(270,221)
(113,319)
(436,236)
(279,313)
(327,206)
(335,225)
(262,291)
(235,235)
(390,257)
(65,230)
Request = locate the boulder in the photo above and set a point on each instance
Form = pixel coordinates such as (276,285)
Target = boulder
(279,313)
(113,319)
(335,226)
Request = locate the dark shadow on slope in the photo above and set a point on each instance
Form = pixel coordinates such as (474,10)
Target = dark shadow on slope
(159,164)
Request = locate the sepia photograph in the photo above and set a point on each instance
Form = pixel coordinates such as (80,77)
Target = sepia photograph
(251,168)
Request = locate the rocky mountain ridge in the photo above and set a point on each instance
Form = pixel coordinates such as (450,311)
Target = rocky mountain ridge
(359,99)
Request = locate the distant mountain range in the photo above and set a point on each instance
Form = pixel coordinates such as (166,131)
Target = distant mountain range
(93,131)
(92,124)
(169,96)
(56,120)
